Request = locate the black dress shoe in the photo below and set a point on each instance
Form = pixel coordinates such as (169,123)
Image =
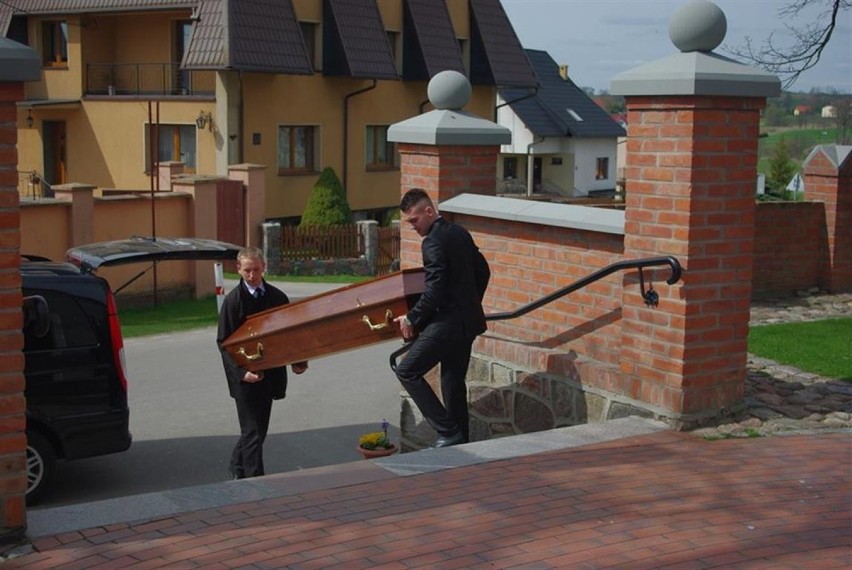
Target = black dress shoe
(448,440)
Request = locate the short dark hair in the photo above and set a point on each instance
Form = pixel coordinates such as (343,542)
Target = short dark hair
(413,197)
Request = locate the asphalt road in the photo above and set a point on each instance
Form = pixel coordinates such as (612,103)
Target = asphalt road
(184,423)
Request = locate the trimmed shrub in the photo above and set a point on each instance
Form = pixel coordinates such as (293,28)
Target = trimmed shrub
(327,205)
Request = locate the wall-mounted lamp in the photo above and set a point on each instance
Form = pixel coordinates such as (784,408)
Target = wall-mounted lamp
(29,118)
(204,119)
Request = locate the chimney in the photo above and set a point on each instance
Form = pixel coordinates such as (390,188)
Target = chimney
(563,71)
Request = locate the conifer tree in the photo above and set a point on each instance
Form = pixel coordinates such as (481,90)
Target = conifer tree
(327,205)
(781,168)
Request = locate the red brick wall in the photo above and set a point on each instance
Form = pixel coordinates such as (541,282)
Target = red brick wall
(789,247)
(443,172)
(12,404)
(832,186)
(530,261)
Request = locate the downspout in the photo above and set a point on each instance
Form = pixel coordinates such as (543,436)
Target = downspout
(530,164)
(242,130)
(346,130)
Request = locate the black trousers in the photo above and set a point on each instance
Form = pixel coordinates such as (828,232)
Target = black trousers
(253,412)
(453,355)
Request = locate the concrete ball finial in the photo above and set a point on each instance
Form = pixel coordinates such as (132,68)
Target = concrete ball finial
(448,90)
(698,25)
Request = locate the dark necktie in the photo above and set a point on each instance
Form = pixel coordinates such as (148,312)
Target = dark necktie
(258,293)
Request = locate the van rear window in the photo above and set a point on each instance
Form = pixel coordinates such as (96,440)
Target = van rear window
(71,322)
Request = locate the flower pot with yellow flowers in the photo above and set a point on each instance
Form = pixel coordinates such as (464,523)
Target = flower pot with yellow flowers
(376,444)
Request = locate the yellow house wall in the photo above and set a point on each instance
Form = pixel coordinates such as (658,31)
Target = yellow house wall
(274,101)
(147,37)
(391,12)
(108,137)
(99,40)
(460,15)
(58,82)
(308,10)
(29,147)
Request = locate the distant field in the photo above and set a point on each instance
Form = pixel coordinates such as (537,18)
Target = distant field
(799,142)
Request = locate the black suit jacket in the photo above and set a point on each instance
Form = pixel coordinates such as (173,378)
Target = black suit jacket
(237,306)
(456,275)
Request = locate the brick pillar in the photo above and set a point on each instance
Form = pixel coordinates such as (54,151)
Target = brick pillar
(13,441)
(691,170)
(828,179)
(253,177)
(443,171)
(691,182)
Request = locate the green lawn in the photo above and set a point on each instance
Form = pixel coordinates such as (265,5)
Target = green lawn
(170,317)
(799,142)
(820,347)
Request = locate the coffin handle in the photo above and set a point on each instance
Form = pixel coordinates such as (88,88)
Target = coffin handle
(250,357)
(377,327)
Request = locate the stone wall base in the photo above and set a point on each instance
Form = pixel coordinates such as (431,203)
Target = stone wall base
(315,267)
(505,399)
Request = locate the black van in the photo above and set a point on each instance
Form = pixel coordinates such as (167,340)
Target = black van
(76,382)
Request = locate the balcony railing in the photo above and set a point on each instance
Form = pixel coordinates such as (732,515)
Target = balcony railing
(147,79)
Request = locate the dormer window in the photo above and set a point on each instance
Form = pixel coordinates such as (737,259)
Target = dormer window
(574,115)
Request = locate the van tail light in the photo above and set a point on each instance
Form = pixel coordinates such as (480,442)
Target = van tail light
(117,340)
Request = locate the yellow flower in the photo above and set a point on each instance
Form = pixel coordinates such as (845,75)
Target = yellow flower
(373,440)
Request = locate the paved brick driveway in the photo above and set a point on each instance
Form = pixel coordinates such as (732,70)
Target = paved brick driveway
(664,500)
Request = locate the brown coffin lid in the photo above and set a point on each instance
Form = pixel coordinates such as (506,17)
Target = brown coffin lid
(327,323)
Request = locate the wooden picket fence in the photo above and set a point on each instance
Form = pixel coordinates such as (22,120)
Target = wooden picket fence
(317,242)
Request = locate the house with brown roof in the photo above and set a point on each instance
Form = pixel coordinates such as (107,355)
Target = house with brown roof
(801,110)
(293,85)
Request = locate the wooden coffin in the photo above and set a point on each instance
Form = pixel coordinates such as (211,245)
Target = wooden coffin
(351,317)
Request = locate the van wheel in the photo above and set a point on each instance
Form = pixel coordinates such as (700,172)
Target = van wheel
(41,459)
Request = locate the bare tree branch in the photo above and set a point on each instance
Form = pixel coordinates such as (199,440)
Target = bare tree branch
(809,41)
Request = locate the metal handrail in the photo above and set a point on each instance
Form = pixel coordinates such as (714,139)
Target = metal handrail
(650,296)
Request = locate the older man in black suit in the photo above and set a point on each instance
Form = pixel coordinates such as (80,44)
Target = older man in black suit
(445,320)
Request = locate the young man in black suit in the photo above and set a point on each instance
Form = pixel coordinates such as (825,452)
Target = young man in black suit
(253,392)
(445,320)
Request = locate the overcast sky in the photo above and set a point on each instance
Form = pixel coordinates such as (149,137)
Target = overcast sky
(598,39)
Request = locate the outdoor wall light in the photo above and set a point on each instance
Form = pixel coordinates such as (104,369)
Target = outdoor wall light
(204,119)
(29,118)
